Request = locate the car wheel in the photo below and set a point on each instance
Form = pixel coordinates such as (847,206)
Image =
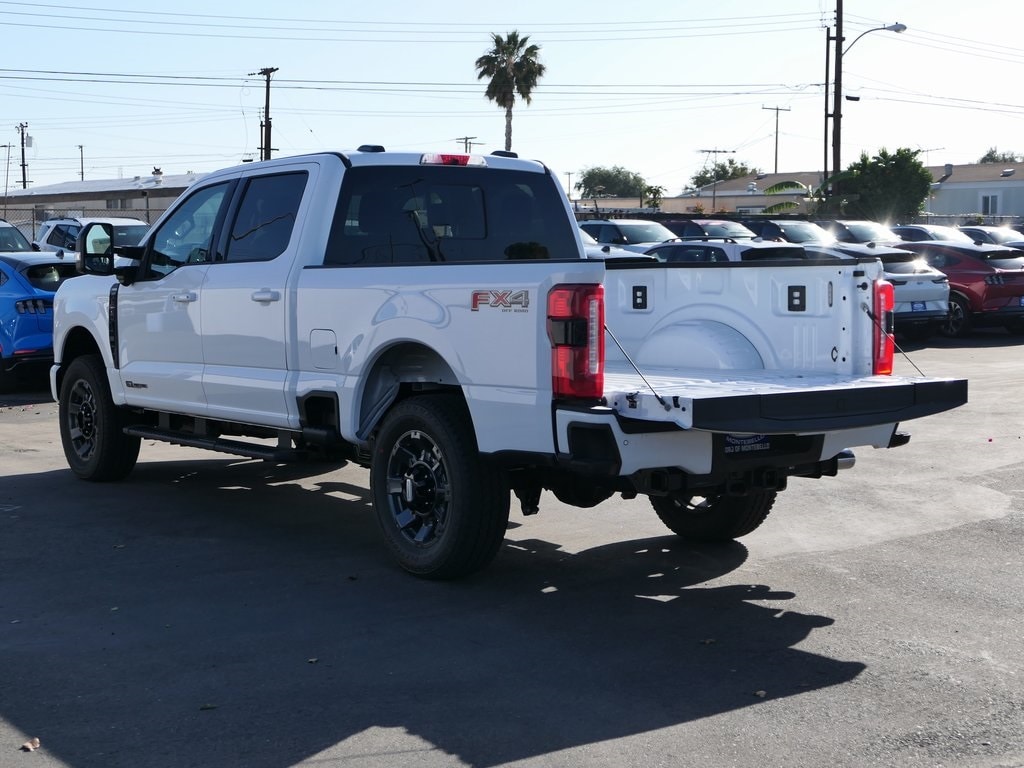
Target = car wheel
(91,426)
(713,518)
(442,507)
(958,322)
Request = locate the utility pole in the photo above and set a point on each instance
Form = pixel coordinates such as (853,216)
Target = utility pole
(714,181)
(81,163)
(7,174)
(467,142)
(266,72)
(777,110)
(22,128)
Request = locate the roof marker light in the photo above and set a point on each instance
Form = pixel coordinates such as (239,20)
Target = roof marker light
(438,158)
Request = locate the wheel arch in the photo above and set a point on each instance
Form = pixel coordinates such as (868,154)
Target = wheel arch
(77,342)
(398,371)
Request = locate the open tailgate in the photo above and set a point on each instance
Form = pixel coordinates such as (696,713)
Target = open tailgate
(767,402)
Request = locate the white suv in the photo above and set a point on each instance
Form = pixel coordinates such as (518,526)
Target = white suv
(700,249)
(61,235)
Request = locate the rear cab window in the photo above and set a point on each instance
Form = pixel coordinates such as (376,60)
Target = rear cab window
(437,214)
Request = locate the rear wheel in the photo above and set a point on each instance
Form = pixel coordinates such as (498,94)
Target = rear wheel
(91,426)
(713,518)
(442,507)
(958,322)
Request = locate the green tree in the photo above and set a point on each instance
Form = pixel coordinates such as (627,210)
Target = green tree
(513,67)
(995,156)
(653,196)
(886,187)
(722,171)
(610,182)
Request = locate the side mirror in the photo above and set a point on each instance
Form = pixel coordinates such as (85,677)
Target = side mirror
(95,249)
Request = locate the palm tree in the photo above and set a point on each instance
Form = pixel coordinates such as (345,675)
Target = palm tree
(512,67)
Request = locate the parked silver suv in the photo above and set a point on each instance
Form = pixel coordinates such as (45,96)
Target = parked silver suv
(61,234)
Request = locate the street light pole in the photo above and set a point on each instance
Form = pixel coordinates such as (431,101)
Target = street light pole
(837,95)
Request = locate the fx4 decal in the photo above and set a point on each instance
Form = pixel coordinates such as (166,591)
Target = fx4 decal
(507,301)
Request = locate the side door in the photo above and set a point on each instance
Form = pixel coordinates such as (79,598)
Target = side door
(159,313)
(247,302)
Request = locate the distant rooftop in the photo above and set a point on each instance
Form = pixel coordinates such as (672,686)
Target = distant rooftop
(158,184)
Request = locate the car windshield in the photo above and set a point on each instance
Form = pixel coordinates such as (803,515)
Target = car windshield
(129,234)
(905,264)
(870,232)
(805,232)
(1003,258)
(588,239)
(12,241)
(644,232)
(949,234)
(773,253)
(48,277)
(731,229)
(1001,235)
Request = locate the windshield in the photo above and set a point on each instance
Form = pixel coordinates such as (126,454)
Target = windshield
(129,234)
(48,277)
(905,264)
(1003,258)
(870,232)
(950,234)
(805,232)
(12,241)
(1001,235)
(773,253)
(731,229)
(644,232)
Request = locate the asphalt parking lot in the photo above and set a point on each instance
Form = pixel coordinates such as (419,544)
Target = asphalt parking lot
(213,611)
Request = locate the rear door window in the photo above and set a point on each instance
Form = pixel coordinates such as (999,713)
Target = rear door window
(438,214)
(266,217)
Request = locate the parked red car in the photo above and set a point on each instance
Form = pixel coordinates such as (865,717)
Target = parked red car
(986,284)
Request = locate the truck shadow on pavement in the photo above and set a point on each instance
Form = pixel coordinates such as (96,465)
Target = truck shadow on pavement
(232,613)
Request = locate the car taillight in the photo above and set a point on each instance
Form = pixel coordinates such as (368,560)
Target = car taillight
(576,332)
(883,349)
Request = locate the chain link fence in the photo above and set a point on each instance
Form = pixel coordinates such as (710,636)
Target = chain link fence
(28,220)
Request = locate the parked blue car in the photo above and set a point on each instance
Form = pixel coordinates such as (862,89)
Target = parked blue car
(28,281)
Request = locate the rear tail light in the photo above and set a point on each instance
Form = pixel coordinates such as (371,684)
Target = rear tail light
(576,332)
(883,348)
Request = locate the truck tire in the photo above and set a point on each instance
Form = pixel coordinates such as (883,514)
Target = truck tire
(442,507)
(91,425)
(714,518)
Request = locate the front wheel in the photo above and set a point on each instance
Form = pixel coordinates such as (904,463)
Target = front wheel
(958,322)
(91,426)
(713,518)
(442,507)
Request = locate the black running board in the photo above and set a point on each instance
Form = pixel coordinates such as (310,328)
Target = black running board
(219,444)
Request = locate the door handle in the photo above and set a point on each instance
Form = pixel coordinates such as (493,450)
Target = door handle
(266,295)
(184,298)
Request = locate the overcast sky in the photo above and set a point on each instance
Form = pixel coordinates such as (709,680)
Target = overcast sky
(649,86)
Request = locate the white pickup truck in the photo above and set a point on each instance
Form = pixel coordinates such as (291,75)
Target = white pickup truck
(433,317)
